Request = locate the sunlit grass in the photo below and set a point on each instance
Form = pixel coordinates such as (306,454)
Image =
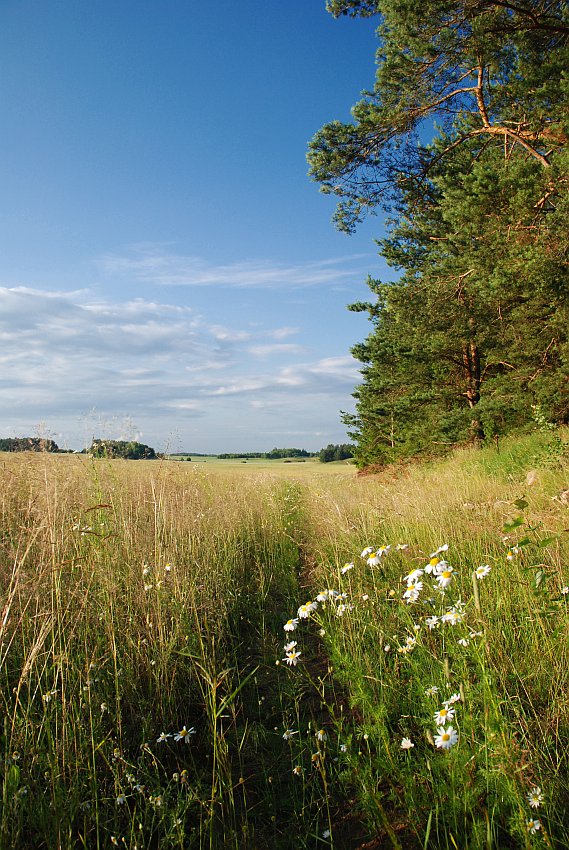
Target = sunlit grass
(148,699)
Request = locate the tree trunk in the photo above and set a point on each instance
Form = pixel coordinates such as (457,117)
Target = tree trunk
(471,366)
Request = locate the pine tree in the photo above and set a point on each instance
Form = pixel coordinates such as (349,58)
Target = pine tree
(476,328)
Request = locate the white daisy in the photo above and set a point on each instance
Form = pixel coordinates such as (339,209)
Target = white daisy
(411,596)
(291,625)
(291,658)
(406,744)
(533,825)
(452,699)
(288,733)
(482,571)
(305,610)
(453,617)
(434,562)
(185,734)
(446,738)
(413,576)
(444,577)
(535,797)
(413,589)
(444,715)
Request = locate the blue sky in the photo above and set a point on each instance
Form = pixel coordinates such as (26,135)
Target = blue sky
(167,269)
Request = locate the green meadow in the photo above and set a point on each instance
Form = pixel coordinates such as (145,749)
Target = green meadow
(418,697)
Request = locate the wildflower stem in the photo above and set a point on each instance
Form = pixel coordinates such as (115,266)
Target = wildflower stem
(476,593)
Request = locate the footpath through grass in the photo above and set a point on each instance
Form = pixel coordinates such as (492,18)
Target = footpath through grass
(152,696)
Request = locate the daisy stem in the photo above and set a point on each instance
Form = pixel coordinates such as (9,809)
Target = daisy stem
(476,593)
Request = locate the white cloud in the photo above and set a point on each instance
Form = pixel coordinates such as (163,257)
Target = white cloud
(229,334)
(276,348)
(152,264)
(67,354)
(282,333)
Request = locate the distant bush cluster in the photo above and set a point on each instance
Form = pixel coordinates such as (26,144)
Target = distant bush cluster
(28,444)
(335,451)
(121,449)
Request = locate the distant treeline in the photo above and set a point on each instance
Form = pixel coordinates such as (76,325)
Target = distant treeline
(192,454)
(274,454)
(336,451)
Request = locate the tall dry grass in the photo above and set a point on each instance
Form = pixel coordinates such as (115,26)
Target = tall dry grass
(147,698)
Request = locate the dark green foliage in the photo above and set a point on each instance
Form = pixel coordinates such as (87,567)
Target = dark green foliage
(276,454)
(27,444)
(335,451)
(475,330)
(121,449)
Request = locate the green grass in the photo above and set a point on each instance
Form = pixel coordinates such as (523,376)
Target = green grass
(144,598)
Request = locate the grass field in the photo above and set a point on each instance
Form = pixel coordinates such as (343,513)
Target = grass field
(288,466)
(151,697)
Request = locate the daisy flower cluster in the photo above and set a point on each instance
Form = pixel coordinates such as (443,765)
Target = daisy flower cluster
(535,799)
(372,556)
(291,653)
(437,567)
(328,597)
(446,736)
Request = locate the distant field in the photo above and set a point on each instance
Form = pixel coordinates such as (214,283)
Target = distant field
(291,465)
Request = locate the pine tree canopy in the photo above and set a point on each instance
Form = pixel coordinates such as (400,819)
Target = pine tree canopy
(463,142)
(481,68)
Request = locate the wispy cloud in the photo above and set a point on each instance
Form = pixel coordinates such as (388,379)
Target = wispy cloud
(282,333)
(324,376)
(276,348)
(153,265)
